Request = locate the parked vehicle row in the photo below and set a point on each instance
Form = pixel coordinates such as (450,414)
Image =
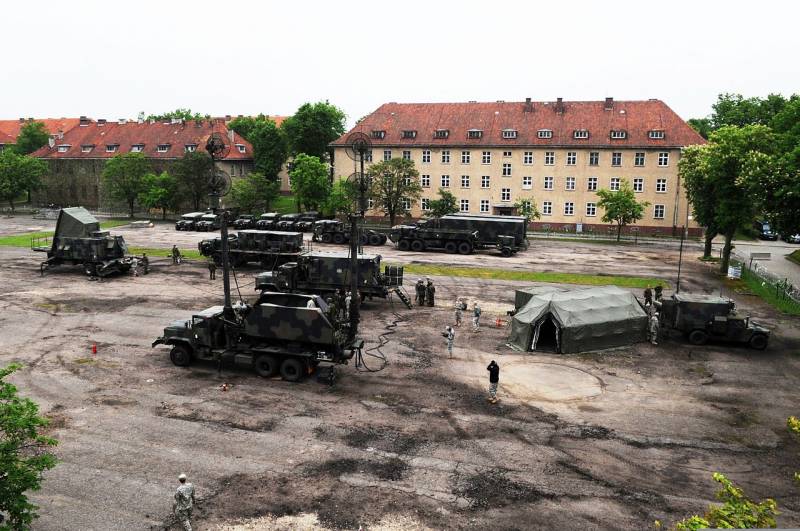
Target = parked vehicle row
(765,232)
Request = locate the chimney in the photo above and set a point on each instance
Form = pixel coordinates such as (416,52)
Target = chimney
(560,105)
(123,121)
(230,135)
(51,142)
(60,134)
(22,120)
(528,105)
(227,118)
(101,122)
(84,121)
(609,105)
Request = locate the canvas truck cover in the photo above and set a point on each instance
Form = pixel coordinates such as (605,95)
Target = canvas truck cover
(588,319)
(76,222)
(285,317)
(489,227)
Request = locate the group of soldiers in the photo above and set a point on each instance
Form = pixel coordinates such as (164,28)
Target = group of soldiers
(426,292)
(652,306)
(339,305)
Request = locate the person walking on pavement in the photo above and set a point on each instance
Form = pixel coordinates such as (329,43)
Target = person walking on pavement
(184,502)
(430,292)
(648,296)
(494,379)
(476,317)
(145,263)
(654,326)
(212,269)
(420,287)
(450,335)
(176,255)
(458,312)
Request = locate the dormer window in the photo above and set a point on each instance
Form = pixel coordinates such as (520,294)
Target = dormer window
(242,148)
(656,134)
(545,133)
(87,148)
(137,148)
(474,133)
(190,148)
(63,148)
(509,133)
(163,148)
(441,133)
(379,134)
(112,148)
(409,134)
(618,134)
(580,133)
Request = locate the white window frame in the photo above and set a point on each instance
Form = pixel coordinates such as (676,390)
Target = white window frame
(441,133)
(640,182)
(486,181)
(466,156)
(406,154)
(87,149)
(387,154)
(639,159)
(591,210)
(163,148)
(463,205)
(486,157)
(405,203)
(242,148)
(618,134)
(614,184)
(527,158)
(544,133)
(663,211)
(368,156)
(63,148)
(190,148)
(484,205)
(474,134)
(112,148)
(409,134)
(594,158)
(505,195)
(580,134)
(527,182)
(549,158)
(591,184)
(378,134)
(663,159)
(569,184)
(426,156)
(137,148)
(549,182)
(547,208)
(569,205)
(425,180)
(572,158)
(509,133)
(507,154)
(445,156)
(444,181)
(425,204)
(465,181)
(661,186)
(616,156)
(506,169)
(656,134)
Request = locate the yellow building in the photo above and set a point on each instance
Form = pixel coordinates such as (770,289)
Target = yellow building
(556,154)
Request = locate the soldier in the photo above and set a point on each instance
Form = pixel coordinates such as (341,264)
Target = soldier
(340,298)
(476,317)
(212,269)
(184,502)
(659,292)
(450,335)
(494,379)
(135,267)
(420,287)
(654,326)
(145,263)
(347,300)
(648,296)
(176,255)
(430,292)
(333,311)
(458,312)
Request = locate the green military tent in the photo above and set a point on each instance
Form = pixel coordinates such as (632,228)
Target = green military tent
(559,320)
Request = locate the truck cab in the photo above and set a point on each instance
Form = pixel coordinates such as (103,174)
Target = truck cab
(267,221)
(208,222)
(188,221)
(245,221)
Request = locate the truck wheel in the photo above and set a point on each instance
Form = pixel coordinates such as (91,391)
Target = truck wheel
(403,245)
(450,247)
(291,369)
(266,366)
(505,251)
(338,238)
(383,239)
(464,248)
(363,239)
(180,355)
(698,337)
(417,245)
(327,238)
(759,341)
(375,239)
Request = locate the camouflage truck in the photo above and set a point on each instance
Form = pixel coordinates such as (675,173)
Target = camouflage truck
(706,317)
(188,221)
(281,333)
(326,272)
(287,222)
(208,222)
(78,240)
(270,249)
(508,234)
(306,221)
(267,221)
(245,221)
(422,238)
(334,231)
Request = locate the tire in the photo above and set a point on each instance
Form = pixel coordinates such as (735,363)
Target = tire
(417,245)
(505,251)
(338,238)
(375,239)
(450,247)
(698,337)
(180,356)
(265,366)
(327,238)
(292,370)
(383,239)
(363,239)
(464,248)
(403,245)
(758,341)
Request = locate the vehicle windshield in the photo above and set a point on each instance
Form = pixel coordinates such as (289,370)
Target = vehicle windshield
(765,227)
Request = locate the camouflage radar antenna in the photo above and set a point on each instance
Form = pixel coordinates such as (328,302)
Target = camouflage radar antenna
(219,184)
(358,144)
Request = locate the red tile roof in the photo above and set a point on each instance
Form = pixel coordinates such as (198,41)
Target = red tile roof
(125,135)
(6,139)
(53,125)
(636,118)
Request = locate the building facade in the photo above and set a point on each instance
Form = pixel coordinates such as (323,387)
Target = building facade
(555,154)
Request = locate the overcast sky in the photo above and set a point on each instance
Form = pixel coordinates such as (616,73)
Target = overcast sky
(113,59)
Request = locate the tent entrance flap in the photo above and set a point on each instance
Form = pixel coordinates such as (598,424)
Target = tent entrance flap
(546,335)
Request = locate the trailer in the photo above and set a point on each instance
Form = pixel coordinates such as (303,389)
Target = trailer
(270,249)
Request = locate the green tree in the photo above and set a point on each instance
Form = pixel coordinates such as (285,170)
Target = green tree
(160,191)
(313,127)
(269,148)
(526,206)
(254,193)
(446,204)
(342,198)
(180,114)
(124,177)
(621,206)
(24,453)
(701,125)
(700,193)
(32,136)
(736,512)
(394,186)
(192,172)
(310,183)
(19,174)
(244,125)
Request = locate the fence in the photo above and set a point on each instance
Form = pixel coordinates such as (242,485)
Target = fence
(781,291)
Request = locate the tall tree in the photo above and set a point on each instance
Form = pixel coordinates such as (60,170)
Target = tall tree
(342,198)
(19,174)
(254,193)
(192,172)
(180,114)
(124,177)
(160,191)
(269,148)
(620,206)
(32,136)
(446,204)
(701,125)
(24,453)
(700,192)
(394,187)
(310,183)
(313,127)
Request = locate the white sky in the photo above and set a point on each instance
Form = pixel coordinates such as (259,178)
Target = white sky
(113,59)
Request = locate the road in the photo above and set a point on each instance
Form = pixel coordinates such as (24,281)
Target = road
(778,264)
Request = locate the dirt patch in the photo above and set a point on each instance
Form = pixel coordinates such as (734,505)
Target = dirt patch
(493,488)
(217,419)
(390,469)
(383,438)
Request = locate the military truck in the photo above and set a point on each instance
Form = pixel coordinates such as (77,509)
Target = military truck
(422,238)
(326,272)
(78,240)
(270,249)
(245,221)
(508,234)
(188,221)
(207,222)
(306,221)
(267,221)
(287,222)
(706,317)
(281,333)
(334,231)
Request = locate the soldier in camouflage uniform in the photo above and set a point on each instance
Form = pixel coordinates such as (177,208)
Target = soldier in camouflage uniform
(212,269)
(458,312)
(184,502)
(430,292)
(145,263)
(420,287)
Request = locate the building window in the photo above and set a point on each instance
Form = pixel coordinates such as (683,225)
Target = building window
(87,148)
(378,134)
(527,157)
(426,156)
(63,148)
(485,181)
(594,158)
(112,148)
(465,157)
(505,194)
(569,183)
(580,133)
(638,158)
(474,133)
(658,211)
(190,148)
(446,156)
(638,184)
(506,169)
(526,205)
(509,133)
(548,183)
(407,181)
(425,180)
(547,208)
(618,134)
(591,184)
(409,134)
(425,203)
(549,158)
(464,205)
(615,184)
(544,133)
(569,208)
(441,133)
(656,134)
(445,182)
(616,158)
(406,204)
(591,209)
(484,205)
(368,156)
(663,158)
(387,154)
(137,148)
(507,154)
(661,185)
(163,148)
(370,202)
(486,157)
(406,155)
(465,181)
(527,182)
(242,148)
(572,158)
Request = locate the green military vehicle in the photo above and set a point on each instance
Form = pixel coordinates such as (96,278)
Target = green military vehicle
(267,221)
(493,231)
(334,231)
(270,249)
(422,238)
(706,317)
(281,333)
(287,222)
(306,221)
(189,221)
(78,240)
(245,221)
(208,222)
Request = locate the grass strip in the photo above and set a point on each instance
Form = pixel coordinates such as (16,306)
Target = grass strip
(754,286)
(794,257)
(166,252)
(24,239)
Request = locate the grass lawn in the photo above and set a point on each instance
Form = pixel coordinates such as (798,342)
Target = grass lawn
(794,257)
(153,252)
(24,239)
(750,284)
(284,204)
(533,276)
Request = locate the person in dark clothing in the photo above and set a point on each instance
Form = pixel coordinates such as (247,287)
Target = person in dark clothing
(420,288)
(659,292)
(212,270)
(494,378)
(648,296)
(430,291)
(145,263)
